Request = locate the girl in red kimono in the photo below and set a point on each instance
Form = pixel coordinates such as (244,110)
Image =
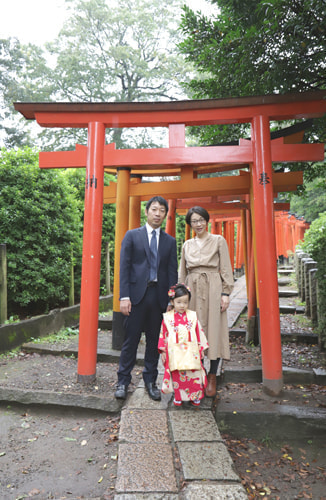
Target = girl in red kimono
(182,344)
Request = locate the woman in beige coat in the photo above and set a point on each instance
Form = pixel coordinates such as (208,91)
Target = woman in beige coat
(206,268)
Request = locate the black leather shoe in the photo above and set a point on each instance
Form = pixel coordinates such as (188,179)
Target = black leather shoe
(153,391)
(121,392)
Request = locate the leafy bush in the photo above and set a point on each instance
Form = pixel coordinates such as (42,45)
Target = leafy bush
(76,177)
(40,223)
(315,246)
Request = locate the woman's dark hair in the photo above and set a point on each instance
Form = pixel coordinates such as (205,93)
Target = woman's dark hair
(181,290)
(197,210)
(160,200)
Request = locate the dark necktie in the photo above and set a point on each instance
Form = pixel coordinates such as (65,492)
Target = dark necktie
(153,264)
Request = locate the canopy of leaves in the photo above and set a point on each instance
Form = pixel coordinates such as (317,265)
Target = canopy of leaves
(255,48)
(312,202)
(113,50)
(40,223)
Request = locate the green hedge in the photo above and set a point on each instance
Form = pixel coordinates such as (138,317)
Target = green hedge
(40,223)
(315,245)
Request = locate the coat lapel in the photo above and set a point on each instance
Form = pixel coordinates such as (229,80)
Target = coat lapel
(144,238)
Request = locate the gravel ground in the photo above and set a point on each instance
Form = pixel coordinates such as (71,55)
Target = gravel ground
(51,453)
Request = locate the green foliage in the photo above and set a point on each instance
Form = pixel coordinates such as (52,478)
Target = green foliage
(61,336)
(312,201)
(76,178)
(107,51)
(256,48)
(40,223)
(315,246)
(253,48)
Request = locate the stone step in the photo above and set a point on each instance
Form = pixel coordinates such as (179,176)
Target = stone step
(288,293)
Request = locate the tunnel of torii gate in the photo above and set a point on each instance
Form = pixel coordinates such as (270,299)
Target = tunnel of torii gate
(259,183)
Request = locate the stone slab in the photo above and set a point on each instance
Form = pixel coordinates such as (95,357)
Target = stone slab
(288,293)
(209,491)
(206,461)
(194,426)
(45,398)
(142,426)
(140,399)
(145,468)
(146,496)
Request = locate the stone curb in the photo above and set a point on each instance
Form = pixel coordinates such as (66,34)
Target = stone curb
(71,400)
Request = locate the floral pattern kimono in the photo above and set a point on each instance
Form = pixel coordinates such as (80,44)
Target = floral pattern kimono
(188,385)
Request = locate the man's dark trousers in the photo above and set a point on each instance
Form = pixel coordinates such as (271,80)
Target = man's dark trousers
(144,317)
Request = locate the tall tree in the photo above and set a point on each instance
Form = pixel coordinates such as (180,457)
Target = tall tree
(255,48)
(112,51)
(24,76)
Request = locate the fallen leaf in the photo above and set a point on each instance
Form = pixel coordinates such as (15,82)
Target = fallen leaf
(34,492)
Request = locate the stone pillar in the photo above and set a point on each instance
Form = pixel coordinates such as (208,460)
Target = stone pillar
(302,279)
(297,262)
(3,283)
(310,264)
(313,296)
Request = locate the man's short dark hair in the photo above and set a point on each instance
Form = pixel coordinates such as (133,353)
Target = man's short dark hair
(197,210)
(160,200)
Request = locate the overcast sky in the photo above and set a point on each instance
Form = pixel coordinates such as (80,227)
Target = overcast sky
(39,21)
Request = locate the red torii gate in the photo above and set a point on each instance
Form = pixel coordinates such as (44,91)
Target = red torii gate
(258,111)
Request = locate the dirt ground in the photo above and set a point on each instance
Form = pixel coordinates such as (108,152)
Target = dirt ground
(60,454)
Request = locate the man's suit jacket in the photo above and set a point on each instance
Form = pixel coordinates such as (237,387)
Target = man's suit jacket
(135,265)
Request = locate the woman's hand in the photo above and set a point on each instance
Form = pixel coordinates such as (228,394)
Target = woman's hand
(163,355)
(225,301)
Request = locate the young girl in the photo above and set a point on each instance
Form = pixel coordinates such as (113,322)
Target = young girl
(182,344)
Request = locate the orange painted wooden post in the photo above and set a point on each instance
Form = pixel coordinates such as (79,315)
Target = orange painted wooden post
(253,320)
(229,236)
(170,220)
(231,247)
(122,216)
(226,232)
(134,212)
(187,232)
(266,257)
(244,244)
(238,252)
(279,237)
(291,220)
(219,228)
(91,261)
(134,205)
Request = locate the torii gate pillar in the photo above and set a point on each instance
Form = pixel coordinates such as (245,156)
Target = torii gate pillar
(266,257)
(121,227)
(91,261)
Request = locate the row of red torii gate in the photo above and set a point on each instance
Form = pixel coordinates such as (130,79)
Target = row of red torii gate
(250,193)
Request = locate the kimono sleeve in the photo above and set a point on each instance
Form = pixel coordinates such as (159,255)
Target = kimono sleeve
(163,338)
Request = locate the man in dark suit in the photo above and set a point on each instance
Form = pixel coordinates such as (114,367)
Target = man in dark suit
(148,268)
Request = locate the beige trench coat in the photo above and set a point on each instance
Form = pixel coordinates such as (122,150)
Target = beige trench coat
(207,271)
